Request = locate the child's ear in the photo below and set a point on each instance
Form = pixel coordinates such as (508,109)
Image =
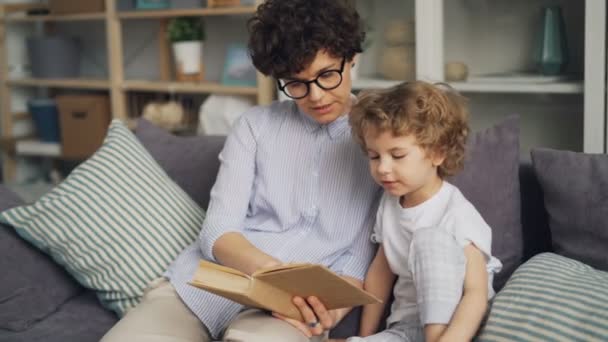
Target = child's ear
(437,157)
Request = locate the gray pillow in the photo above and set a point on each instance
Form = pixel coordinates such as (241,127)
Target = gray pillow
(575,191)
(191,162)
(32,285)
(490,180)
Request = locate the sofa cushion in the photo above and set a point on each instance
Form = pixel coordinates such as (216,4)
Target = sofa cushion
(80,319)
(575,191)
(32,285)
(490,180)
(192,162)
(550,298)
(8,199)
(115,223)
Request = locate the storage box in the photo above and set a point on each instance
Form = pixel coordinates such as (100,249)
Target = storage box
(75,7)
(45,117)
(84,121)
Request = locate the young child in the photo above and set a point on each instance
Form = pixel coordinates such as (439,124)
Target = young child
(433,242)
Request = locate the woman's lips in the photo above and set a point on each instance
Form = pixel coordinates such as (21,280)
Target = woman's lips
(323,109)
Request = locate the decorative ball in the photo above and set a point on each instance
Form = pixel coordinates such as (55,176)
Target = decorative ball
(399,32)
(168,115)
(456,71)
(398,62)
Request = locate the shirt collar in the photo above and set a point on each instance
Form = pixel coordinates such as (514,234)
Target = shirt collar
(334,128)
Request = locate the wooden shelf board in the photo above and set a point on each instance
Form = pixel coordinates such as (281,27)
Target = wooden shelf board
(569,87)
(194,12)
(61,83)
(48,17)
(188,87)
(373,83)
(32,147)
(14,8)
(20,116)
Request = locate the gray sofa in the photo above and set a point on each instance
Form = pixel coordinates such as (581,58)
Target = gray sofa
(40,302)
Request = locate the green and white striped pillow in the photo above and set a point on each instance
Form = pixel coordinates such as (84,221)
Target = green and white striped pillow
(115,223)
(550,298)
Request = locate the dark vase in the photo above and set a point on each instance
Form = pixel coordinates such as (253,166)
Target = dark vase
(551,55)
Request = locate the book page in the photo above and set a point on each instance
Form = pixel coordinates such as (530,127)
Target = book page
(211,265)
(216,278)
(278,268)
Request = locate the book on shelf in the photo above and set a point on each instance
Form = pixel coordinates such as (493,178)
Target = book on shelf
(273,288)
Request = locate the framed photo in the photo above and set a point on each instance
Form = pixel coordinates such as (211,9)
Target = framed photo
(238,70)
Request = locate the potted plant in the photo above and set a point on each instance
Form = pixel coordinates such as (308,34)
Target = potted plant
(187,35)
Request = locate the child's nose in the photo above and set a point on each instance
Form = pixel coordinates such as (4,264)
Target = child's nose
(383,166)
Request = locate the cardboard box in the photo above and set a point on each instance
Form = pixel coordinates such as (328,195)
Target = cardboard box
(273,288)
(84,121)
(76,7)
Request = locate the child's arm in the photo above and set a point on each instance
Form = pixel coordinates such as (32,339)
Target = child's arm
(472,307)
(378,281)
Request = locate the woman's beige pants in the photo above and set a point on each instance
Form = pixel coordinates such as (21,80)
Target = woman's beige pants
(162,316)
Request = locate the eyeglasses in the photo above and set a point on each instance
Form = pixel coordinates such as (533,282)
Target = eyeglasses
(327,80)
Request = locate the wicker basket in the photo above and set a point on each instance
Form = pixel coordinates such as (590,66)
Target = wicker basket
(223,3)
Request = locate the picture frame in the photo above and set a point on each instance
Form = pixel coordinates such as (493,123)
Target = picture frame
(238,69)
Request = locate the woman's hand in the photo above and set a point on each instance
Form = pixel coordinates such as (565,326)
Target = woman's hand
(317,319)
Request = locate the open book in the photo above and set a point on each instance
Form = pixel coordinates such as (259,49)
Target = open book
(273,288)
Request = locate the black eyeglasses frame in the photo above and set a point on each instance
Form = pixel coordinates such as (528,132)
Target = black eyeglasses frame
(315,80)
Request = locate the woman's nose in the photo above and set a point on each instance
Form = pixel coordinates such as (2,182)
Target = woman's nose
(315,92)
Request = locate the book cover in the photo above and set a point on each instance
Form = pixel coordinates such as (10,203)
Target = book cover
(273,288)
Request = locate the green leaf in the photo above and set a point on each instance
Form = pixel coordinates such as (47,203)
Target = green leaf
(185,29)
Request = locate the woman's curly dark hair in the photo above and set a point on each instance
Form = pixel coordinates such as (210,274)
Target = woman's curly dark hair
(285,35)
(435,114)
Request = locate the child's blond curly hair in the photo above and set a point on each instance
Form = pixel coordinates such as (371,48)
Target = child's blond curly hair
(435,114)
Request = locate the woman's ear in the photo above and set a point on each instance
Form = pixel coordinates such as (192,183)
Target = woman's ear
(354,60)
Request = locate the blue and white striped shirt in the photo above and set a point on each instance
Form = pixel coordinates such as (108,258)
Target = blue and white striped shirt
(297,190)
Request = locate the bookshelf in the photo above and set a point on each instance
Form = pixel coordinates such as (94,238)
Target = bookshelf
(497,38)
(116,84)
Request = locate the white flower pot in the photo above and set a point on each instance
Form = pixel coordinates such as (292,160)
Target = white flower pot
(188,58)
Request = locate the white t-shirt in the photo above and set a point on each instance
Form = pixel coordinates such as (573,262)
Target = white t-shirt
(447,209)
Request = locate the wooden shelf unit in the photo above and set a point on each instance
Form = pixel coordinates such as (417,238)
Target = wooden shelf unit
(197,12)
(116,84)
(188,87)
(42,18)
(61,83)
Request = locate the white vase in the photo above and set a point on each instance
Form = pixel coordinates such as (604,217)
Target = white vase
(188,57)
